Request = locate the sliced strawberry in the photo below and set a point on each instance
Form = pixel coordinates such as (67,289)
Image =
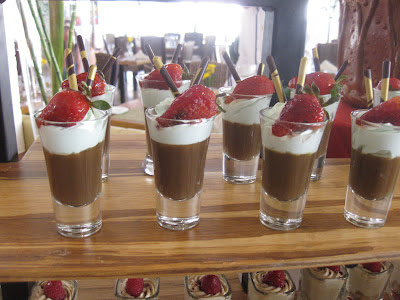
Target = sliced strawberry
(54,290)
(374,267)
(394,84)
(134,286)
(275,278)
(98,87)
(197,102)
(255,85)
(155,81)
(324,82)
(210,284)
(386,112)
(335,269)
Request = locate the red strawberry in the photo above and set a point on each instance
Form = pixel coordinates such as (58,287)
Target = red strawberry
(134,286)
(174,70)
(275,278)
(387,112)
(255,85)
(54,290)
(394,84)
(210,284)
(195,103)
(373,267)
(335,269)
(98,87)
(324,82)
(304,108)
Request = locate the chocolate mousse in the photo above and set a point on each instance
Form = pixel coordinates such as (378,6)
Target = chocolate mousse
(258,290)
(70,288)
(150,290)
(193,289)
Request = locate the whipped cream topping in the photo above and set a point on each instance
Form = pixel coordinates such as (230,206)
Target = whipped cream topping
(193,286)
(37,292)
(325,273)
(150,288)
(269,289)
(151,97)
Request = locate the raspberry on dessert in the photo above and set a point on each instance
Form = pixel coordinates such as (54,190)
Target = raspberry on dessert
(324,82)
(275,278)
(98,86)
(210,284)
(54,290)
(374,267)
(134,286)
(394,84)
(386,112)
(174,70)
(255,85)
(335,269)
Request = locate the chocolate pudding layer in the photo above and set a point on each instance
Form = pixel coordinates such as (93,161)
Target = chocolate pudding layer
(241,142)
(75,179)
(373,177)
(324,140)
(286,176)
(148,142)
(179,169)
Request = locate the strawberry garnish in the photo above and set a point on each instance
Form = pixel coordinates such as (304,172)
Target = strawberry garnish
(255,85)
(386,112)
(275,278)
(374,267)
(197,102)
(335,269)
(394,84)
(210,284)
(54,290)
(134,286)
(155,81)
(98,86)
(324,82)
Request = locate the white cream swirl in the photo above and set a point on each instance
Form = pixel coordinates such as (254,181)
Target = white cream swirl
(38,290)
(325,272)
(266,288)
(149,289)
(194,286)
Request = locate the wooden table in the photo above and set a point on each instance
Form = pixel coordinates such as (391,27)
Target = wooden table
(229,238)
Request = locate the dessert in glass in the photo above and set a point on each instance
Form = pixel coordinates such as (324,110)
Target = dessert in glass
(368,281)
(375,164)
(291,134)
(215,287)
(323,283)
(49,290)
(137,288)
(394,90)
(153,90)
(179,131)
(272,285)
(395,279)
(241,127)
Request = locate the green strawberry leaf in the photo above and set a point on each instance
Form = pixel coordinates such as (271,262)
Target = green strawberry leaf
(287,91)
(186,74)
(101,104)
(315,90)
(327,114)
(308,90)
(341,77)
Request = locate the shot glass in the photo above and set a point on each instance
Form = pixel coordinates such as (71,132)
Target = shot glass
(374,168)
(73,152)
(193,291)
(367,285)
(241,136)
(179,153)
(70,288)
(152,92)
(286,169)
(322,284)
(377,96)
(257,290)
(395,279)
(151,289)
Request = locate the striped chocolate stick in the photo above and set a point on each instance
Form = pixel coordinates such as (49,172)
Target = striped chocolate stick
(301,77)
(200,72)
(385,80)
(157,62)
(260,69)
(275,79)
(111,60)
(317,66)
(231,67)
(91,76)
(70,67)
(81,46)
(176,54)
(341,70)
(368,87)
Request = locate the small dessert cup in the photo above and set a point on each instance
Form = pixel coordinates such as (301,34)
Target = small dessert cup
(395,278)
(241,136)
(179,153)
(367,285)
(286,169)
(322,284)
(73,152)
(374,168)
(377,96)
(151,289)
(70,288)
(193,291)
(152,92)
(257,290)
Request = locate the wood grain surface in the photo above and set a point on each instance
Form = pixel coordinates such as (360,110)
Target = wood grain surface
(229,238)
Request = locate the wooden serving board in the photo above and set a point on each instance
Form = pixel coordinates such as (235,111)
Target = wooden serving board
(229,238)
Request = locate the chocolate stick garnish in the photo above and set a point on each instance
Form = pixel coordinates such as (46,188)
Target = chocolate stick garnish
(341,70)
(368,87)
(302,75)
(275,79)
(317,66)
(69,62)
(231,67)
(157,62)
(260,69)
(81,46)
(111,60)
(176,54)
(385,80)
(91,76)
(149,51)
(200,72)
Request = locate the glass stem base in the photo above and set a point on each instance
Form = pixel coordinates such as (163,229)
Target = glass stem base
(239,171)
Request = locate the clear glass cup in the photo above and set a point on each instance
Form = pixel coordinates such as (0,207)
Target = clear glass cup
(193,292)
(73,152)
(152,92)
(257,291)
(241,135)
(395,279)
(151,289)
(366,285)
(179,153)
(322,284)
(286,169)
(374,169)
(377,96)
(70,287)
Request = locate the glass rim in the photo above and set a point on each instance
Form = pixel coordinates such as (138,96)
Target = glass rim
(386,263)
(317,124)
(110,88)
(157,280)
(150,113)
(227,294)
(141,78)
(358,113)
(56,123)
(343,269)
(293,289)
